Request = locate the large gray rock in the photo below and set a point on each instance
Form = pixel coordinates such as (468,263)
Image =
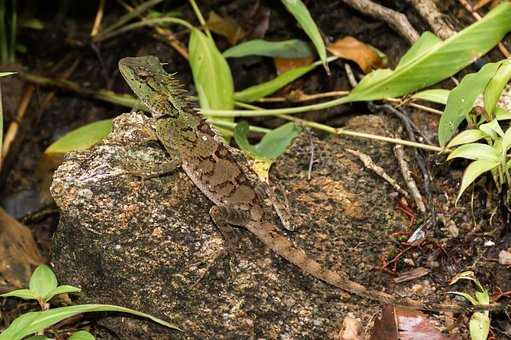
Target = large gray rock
(149,244)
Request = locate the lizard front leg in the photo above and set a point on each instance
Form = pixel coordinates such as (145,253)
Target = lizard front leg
(223,218)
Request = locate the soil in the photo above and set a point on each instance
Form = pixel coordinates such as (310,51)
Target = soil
(461,241)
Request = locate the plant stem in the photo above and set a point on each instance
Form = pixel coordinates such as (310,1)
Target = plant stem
(199,16)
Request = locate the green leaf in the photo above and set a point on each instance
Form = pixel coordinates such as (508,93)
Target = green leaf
(272,145)
(467,136)
(82,138)
(501,114)
(426,42)
(81,335)
(38,337)
(492,129)
(434,95)
(476,151)
(43,280)
(461,100)
(293,48)
(440,61)
(258,91)
(466,296)
(506,140)
(496,85)
(302,15)
(474,170)
(482,297)
(25,294)
(6,74)
(61,290)
(211,73)
(479,326)
(34,322)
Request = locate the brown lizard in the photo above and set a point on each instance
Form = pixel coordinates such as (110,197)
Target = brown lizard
(220,172)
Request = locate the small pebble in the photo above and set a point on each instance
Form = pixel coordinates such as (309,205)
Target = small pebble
(505,257)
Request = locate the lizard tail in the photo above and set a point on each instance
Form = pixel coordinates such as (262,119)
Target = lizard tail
(273,239)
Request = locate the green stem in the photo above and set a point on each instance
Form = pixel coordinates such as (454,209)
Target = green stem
(199,16)
(142,23)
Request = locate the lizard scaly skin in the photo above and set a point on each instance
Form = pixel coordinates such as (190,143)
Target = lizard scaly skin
(219,171)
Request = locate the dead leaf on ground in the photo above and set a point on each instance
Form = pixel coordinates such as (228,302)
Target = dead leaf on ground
(226,27)
(357,51)
(18,253)
(403,324)
(286,64)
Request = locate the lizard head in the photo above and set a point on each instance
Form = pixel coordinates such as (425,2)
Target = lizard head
(158,90)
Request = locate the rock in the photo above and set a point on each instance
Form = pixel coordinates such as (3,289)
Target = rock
(505,257)
(149,244)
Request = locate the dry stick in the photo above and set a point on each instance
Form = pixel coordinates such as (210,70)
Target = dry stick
(369,163)
(13,129)
(394,19)
(476,15)
(98,19)
(303,97)
(407,175)
(435,19)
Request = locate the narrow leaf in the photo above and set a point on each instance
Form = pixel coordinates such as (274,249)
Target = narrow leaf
(506,140)
(293,48)
(258,91)
(32,322)
(465,137)
(492,129)
(211,73)
(425,43)
(43,280)
(435,95)
(61,290)
(25,294)
(82,138)
(501,114)
(475,151)
(81,335)
(461,100)
(241,138)
(466,296)
(495,87)
(303,17)
(474,170)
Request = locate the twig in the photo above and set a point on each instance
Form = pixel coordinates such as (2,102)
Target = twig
(407,175)
(303,97)
(349,73)
(394,19)
(369,163)
(98,19)
(435,19)
(476,15)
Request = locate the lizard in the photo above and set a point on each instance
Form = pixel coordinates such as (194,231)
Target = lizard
(222,174)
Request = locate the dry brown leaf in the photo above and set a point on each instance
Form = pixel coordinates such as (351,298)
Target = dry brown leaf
(284,64)
(357,51)
(18,253)
(404,324)
(226,27)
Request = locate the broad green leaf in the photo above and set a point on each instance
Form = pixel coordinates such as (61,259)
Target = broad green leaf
(479,326)
(81,335)
(476,151)
(293,48)
(506,140)
(61,290)
(426,42)
(43,280)
(492,129)
(241,138)
(442,60)
(272,145)
(33,322)
(461,100)
(303,17)
(434,95)
(211,73)
(465,137)
(474,170)
(25,294)
(38,337)
(82,138)
(258,91)
(501,114)
(482,297)
(496,85)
